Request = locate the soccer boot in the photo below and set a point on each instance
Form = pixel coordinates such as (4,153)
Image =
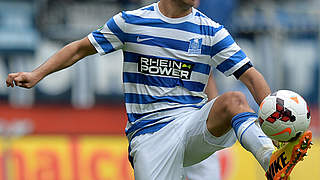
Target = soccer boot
(284,159)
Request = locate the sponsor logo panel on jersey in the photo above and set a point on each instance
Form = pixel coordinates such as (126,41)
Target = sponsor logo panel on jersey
(165,67)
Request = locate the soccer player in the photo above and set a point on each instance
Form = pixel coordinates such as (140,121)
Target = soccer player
(169,48)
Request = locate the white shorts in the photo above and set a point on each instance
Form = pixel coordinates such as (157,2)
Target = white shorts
(183,142)
(208,169)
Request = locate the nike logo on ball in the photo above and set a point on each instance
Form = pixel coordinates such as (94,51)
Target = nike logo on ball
(143,39)
(288,130)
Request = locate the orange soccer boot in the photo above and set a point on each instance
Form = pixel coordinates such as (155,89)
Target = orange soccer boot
(284,159)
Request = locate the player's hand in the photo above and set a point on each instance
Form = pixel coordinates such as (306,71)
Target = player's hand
(22,79)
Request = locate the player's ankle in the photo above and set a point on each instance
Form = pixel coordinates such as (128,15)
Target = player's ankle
(265,158)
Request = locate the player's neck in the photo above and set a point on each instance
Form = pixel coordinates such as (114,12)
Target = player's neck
(173,9)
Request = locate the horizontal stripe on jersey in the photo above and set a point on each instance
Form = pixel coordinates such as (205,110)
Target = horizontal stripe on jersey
(198,67)
(185,26)
(162,81)
(103,42)
(151,129)
(147,99)
(236,66)
(225,54)
(168,33)
(136,117)
(164,43)
(115,29)
(231,62)
(158,106)
(144,123)
(162,52)
(144,89)
(221,45)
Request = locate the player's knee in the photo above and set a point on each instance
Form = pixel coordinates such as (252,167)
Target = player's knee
(231,104)
(233,101)
(225,108)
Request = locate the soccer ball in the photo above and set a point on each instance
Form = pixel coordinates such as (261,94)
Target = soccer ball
(284,115)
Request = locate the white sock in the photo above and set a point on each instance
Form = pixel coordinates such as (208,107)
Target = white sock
(252,138)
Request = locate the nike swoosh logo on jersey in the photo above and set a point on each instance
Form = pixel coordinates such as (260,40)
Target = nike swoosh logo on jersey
(288,130)
(143,39)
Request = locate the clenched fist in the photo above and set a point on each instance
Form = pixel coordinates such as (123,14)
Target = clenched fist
(22,79)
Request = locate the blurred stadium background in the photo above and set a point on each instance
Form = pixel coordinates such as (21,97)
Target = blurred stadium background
(71,126)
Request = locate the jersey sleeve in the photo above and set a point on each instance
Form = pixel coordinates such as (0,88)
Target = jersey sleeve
(109,37)
(227,56)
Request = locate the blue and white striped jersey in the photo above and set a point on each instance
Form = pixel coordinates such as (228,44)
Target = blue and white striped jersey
(167,62)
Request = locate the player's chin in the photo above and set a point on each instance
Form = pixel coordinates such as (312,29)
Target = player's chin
(189,3)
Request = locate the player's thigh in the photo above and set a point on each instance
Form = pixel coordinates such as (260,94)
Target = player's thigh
(199,142)
(208,169)
(159,156)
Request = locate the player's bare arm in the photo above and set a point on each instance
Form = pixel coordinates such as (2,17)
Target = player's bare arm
(64,58)
(256,84)
(211,89)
